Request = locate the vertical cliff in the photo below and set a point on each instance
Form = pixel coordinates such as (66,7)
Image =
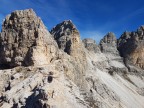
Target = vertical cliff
(25,41)
(39,69)
(130,45)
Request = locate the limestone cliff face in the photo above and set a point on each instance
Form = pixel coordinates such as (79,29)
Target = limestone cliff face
(108,46)
(59,70)
(90,45)
(68,39)
(131,47)
(24,40)
(109,43)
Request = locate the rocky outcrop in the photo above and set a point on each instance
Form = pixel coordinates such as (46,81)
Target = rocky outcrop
(109,43)
(68,39)
(90,45)
(25,41)
(108,46)
(58,70)
(63,33)
(131,48)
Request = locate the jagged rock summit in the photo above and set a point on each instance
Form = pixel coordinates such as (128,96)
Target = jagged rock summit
(25,41)
(109,43)
(131,46)
(67,36)
(68,39)
(56,69)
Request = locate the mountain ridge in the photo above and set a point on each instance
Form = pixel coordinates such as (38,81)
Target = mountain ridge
(56,69)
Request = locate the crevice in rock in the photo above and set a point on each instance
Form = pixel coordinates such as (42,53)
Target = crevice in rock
(50,79)
(8,87)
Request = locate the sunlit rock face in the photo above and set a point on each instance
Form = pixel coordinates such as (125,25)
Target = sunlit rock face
(59,70)
(108,46)
(131,47)
(24,40)
(68,39)
(91,45)
(109,43)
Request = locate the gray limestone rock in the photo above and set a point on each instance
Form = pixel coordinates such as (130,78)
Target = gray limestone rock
(90,45)
(23,39)
(108,46)
(68,39)
(130,45)
(61,72)
(64,33)
(109,43)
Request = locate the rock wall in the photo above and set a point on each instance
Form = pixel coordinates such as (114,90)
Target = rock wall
(108,47)
(131,48)
(109,43)
(68,39)
(58,70)
(24,40)
(90,45)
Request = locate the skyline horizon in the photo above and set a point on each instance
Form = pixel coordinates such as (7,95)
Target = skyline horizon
(93,19)
(49,29)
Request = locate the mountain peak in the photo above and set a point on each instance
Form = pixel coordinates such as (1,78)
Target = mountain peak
(43,70)
(109,38)
(22,35)
(64,28)
(64,32)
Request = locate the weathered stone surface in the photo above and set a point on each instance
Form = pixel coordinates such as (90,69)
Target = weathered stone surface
(69,76)
(90,45)
(108,47)
(68,39)
(64,33)
(131,48)
(109,43)
(24,40)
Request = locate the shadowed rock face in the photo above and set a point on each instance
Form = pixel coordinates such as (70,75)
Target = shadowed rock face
(90,45)
(131,47)
(66,35)
(108,47)
(60,72)
(68,39)
(23,39)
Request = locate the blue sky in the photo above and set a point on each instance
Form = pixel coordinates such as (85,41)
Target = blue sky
(93,18)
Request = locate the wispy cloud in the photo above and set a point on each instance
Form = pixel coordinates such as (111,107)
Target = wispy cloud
(122,20)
